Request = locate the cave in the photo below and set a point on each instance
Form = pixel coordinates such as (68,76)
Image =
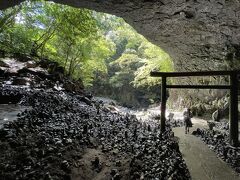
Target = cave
(198,35)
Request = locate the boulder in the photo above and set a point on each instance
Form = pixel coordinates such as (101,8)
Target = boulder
(31,64)
(20,81)
(211,124)
(198,109)
(3,64)
(216,115)
(22,57)
(73,86)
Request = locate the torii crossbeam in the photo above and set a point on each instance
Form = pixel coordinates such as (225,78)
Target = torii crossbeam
(233,87)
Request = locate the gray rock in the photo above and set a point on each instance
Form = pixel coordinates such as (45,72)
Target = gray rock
(196,34)
(216,116)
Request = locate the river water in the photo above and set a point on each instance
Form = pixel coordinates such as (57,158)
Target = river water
(9,112)
(141,114)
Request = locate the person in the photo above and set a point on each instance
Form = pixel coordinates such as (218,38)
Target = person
(187,115)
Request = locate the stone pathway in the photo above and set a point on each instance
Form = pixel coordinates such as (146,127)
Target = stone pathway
(202,162)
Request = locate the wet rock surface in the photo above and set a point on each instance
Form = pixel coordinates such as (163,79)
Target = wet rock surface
(37,73)
(67,134)
(218,142)
(63,137)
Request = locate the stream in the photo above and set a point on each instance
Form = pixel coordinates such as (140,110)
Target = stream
(141,114)
(9,112)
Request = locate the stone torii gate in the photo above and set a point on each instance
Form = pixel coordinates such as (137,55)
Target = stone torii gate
(233,87)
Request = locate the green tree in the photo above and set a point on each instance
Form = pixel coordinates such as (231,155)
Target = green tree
(128,78)
(101,49)
(73,37)
(153,59)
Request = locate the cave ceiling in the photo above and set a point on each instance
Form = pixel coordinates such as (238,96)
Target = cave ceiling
(197,34)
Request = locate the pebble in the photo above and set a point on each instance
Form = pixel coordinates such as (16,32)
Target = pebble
(58,124)
(218,142)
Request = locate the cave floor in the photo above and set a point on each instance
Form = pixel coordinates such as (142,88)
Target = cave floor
(202,162)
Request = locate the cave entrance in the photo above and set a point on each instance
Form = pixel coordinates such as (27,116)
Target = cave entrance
(233,87)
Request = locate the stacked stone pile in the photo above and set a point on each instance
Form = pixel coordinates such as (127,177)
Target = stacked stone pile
(50,140)
(218,141)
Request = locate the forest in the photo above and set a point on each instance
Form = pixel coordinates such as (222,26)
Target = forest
(101,50)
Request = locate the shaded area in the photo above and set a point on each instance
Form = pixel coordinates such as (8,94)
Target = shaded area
(10,99)
(62,137)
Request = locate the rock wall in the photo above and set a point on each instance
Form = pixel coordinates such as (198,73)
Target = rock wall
(197,34)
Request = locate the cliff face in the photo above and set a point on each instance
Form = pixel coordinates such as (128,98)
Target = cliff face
(197,34)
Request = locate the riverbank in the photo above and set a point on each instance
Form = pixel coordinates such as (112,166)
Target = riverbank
(63,136)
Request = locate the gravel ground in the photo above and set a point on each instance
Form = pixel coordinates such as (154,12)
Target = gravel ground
(62,136)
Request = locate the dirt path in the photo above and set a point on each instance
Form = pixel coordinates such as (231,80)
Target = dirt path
(202,162)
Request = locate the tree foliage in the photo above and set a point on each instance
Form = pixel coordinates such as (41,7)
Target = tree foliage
(64,34)
(129,67)
(101,49)
(154,59)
